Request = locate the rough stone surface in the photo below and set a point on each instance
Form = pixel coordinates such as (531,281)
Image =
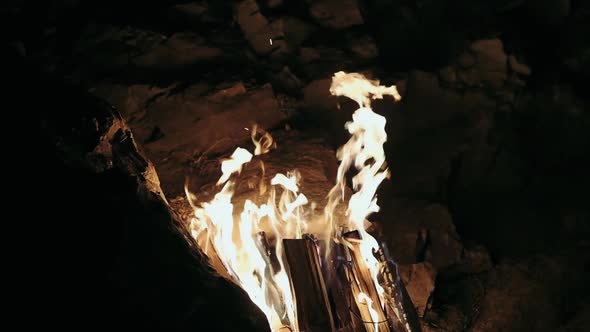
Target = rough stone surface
(448,75)
(473,261)
(336,14)
(270,38)
(419,280)
(550,11)
(491,62)
(579,62)
(579,322)
(189,14)
(193,123)
(316,95)
(249,18)
(466,60)
(226,93)
(421,232)
(364,47)
(526,301)
(258,30)
(308,54)
(287,82)
(317,63)
(442,120)
(518,67)
(181,51)
(108,47)
(130,100)
(198,127)
(295,31)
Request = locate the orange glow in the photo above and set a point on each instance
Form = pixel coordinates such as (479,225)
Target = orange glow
(231,237)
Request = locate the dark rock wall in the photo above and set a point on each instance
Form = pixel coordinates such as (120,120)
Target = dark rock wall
(109,252)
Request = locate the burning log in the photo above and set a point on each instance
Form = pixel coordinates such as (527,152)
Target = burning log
(399,306)
(313,306)
(288,281)
(347,315)
(363,288)
(344,291)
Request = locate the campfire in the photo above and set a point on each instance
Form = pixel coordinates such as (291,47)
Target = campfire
(309,270)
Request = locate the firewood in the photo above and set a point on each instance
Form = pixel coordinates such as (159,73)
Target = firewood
(346,314)
(400,308)
(314,313)
(361,282)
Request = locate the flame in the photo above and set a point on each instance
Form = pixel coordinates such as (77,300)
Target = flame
(234,164)
(365,299)
(237,244)
(365,151)
(263,143)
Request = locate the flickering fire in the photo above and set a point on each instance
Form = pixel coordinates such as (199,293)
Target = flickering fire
(231,238)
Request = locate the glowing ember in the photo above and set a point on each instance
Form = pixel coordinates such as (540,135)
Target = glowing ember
(232,240)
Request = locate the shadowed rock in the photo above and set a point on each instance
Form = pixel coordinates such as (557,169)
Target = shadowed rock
(135,267)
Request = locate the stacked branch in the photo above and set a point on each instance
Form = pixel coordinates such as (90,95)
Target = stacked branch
(314,313)
(339,294)
(363,288)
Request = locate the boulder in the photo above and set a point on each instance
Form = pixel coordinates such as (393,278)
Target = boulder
(106,47)
(308,54)
(270,38)
(364,47)
(336,14)
(227,92)
(579,322)
(317,96)
(179,124)
(421,232)
(287,82)
(549,12)
(179,52)
(189,14)
(130,100)
(324,61)
(199,15)
(448,75)
(258,30)
(196,125)
(518,67)
(466,60)
(473,261)
(491,62)
(579,62)
(523,295)
(419,280)
(295,31)
(433,118)
(273,3)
